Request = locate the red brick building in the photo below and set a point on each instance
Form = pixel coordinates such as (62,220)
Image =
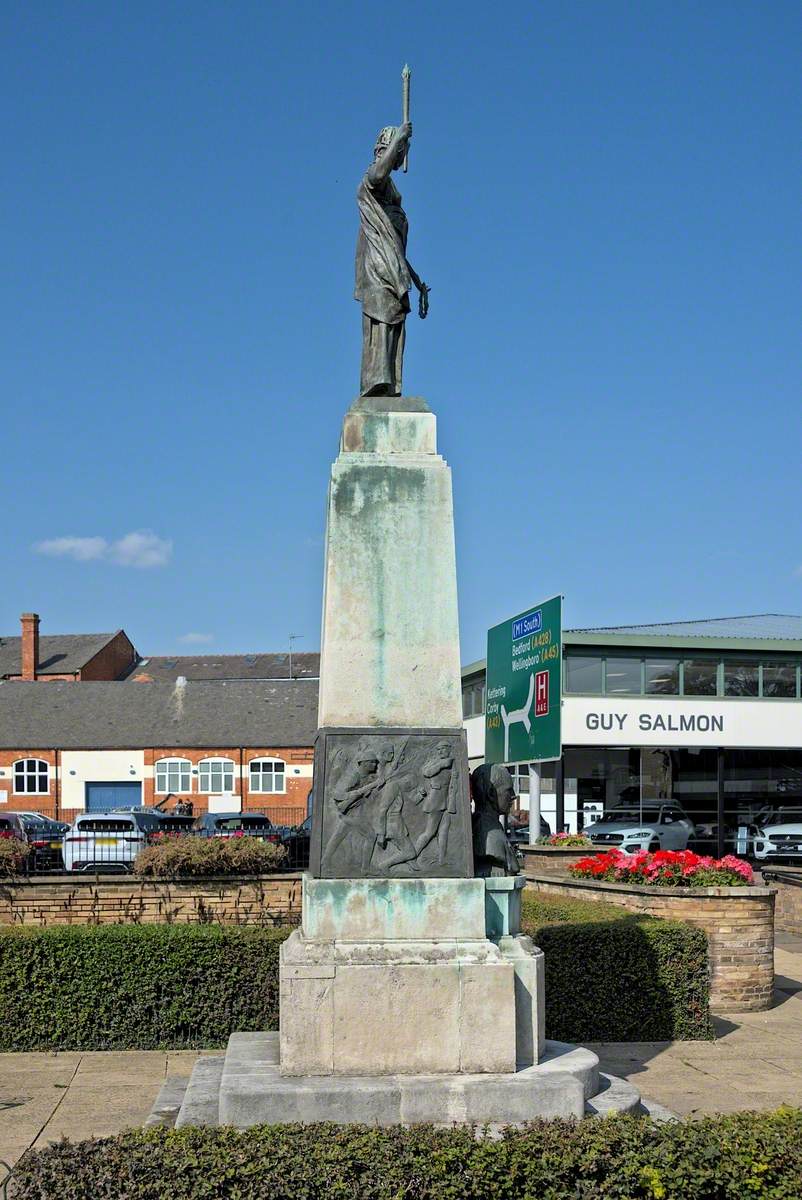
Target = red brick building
(78,657)
(225,745)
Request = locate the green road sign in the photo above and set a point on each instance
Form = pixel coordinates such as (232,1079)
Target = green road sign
(524,686)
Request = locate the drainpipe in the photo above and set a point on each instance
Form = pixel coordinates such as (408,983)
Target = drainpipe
(58,782)
(241,782)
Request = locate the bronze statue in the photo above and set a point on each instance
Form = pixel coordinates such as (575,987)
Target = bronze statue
(383,272)
(493,798)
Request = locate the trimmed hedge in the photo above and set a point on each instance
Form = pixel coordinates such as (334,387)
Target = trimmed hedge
(610,976)
(136,987)
(621,1158)
(615,976)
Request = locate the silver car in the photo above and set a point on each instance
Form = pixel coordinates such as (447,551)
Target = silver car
(651,826)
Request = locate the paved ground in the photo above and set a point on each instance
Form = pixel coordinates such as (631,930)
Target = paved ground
(756,1062)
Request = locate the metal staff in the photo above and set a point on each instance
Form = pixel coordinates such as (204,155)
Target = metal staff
(405,74)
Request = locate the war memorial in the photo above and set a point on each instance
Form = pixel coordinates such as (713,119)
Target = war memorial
(408,994)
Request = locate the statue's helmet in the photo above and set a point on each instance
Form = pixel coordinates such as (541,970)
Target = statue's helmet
(384,138)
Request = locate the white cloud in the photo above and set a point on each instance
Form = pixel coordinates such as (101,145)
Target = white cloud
(140,548)
(82,549)
(196,639)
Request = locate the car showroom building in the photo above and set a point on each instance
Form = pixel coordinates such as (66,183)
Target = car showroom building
(705,713)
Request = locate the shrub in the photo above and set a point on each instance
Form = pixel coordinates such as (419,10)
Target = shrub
(13,856)
(566,841)
(621,1158)
(665,868)
(195,857)
(136,987)
(616,976)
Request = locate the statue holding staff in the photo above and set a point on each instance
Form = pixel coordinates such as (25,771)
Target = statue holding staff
(383,272)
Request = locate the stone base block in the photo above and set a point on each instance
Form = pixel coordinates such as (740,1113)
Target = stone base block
(254,1091)
(400,1007)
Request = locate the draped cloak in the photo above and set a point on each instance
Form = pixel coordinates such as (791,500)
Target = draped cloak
(382,273)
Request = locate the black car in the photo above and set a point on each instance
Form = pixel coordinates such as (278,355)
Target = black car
(237,825)
(519,834)
(296,843)
(154,822)
(43,837)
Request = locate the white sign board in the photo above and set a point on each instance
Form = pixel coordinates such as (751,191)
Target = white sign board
(662,721)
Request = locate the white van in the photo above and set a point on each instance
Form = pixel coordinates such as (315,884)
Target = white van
(103,842)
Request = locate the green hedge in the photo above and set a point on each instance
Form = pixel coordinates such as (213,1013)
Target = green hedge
(621,1158)
(613,976)
(136,987)
(610,976)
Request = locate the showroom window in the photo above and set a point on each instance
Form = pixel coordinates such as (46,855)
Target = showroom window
(779,679)
(583,674)
(215,776)
(622,677)
(173,775)
(700,677)
(741,678)
(473,698)
(661,676)
(267,775)
(31,777)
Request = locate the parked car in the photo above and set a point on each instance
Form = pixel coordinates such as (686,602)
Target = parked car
(46,839)
(237,825)
(153,821)
(519,834)
(651,826)
(296,843)
(779,834)
(107,842)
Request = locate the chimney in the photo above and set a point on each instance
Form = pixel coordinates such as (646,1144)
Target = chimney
(30,644)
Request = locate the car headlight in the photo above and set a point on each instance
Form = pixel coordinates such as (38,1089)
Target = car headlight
(642,833)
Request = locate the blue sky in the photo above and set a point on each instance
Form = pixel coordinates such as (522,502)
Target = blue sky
(605,199)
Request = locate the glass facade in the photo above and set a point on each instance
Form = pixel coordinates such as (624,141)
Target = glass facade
(638,674)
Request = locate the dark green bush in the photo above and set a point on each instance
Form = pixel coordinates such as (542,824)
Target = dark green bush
(136,987)
(610,976)
(194,858)
(621,1158)
(614,976)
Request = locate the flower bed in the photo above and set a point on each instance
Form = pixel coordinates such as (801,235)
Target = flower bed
(566,841)
(665,868)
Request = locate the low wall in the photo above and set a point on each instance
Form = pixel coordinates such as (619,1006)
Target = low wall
(124,900)
(738,921)
(545,860)
(788,911)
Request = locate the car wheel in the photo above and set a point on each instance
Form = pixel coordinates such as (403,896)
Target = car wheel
(654,845)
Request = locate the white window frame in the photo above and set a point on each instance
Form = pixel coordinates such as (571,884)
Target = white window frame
(277,764)
(207,765)
(31,774)
(181,765)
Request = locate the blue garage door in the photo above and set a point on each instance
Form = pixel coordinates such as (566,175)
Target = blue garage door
(100,797)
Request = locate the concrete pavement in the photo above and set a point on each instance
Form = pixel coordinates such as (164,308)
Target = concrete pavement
(756,1062)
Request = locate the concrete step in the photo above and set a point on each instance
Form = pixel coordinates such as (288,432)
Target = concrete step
(614,1096)
(168,1102)
(200,1105)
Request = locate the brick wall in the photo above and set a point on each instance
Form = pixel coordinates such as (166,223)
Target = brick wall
(739,923)
(26,803)
(268,900)
(289,806)
(788,911)
(110,662)
(543,860)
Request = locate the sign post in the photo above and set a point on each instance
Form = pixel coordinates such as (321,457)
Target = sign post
(523,711)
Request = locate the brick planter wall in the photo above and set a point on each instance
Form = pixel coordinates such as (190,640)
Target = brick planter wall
(788,910)
(547,860)
(738,921)
(262,900)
